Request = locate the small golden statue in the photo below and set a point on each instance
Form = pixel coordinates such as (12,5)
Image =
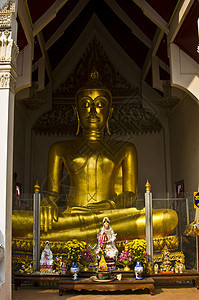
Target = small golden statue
(166,261)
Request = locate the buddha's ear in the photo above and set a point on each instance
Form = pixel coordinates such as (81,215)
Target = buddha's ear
(110,115)
(74,109)
(111,112)
(77,116)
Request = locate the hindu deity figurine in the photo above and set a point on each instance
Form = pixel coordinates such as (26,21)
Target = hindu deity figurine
(46,261)
(103,177)
(106,245)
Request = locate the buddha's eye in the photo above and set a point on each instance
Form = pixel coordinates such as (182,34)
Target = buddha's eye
(100,104)
(85,104)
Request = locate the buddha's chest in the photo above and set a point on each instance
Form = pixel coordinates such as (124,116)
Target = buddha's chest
(93,164)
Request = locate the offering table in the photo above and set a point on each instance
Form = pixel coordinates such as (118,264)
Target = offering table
(103,285)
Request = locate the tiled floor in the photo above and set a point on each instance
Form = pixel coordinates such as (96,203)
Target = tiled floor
(165,293)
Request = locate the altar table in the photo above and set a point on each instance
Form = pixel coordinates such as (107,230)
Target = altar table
(115,285)
(188,275)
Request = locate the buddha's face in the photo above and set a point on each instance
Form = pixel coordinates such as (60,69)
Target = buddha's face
(93,107)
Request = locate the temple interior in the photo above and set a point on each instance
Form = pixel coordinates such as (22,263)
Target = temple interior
(159,118)
(146,56)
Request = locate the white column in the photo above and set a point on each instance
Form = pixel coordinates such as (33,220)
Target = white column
(36,228)
(149,220)
(8,54)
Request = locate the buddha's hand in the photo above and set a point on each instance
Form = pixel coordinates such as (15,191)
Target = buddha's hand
(49,211)
(125,200)
(102,205)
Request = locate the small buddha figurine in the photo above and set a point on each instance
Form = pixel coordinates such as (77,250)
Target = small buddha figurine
(106,245)
(103,180)
(46,261)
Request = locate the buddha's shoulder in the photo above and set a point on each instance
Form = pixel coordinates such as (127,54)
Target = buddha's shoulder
(121,145)
(70,145)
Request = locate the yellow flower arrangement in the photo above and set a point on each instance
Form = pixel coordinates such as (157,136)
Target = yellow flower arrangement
(137,248)
(74,249)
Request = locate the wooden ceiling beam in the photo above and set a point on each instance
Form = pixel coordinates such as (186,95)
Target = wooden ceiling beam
(152,15)
(178,18)
(71,17)
(26,21)
(155,44)
(125,19)
(48,16)
(45,55)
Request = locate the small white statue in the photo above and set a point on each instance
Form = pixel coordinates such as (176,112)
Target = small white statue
(106,244)
(46,261)
(181,268)
(156,268)
(176,267)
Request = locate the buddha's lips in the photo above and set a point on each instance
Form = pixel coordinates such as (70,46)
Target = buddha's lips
(93,120)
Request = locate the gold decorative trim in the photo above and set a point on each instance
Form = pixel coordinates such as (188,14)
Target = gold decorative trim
(107,74)
(147,186)
(171,242)
(174,256)
(37,186)
(58,248)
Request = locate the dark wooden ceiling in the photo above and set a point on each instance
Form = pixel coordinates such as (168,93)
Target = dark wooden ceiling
(134,46)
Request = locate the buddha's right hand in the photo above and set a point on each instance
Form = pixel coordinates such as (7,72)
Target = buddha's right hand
(49,212)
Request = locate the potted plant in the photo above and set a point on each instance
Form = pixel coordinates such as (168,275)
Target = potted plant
(85,259)
(138,250)
(126,259)
(74,249)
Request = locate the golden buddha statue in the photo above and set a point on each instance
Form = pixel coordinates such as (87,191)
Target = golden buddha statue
(103,180)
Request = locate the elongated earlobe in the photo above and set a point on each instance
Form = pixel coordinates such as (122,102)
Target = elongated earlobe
(107,125)
(78,120)
(107,128)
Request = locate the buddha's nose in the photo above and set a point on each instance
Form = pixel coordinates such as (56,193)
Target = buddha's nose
(93,110)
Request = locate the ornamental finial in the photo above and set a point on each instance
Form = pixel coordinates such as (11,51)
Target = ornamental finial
(147,186)
(37,187)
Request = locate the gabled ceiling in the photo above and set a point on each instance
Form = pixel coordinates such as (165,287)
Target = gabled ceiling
(139,28)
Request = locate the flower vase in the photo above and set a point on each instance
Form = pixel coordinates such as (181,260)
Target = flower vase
(85,264)
(74,270)
(138,270)
(127,266)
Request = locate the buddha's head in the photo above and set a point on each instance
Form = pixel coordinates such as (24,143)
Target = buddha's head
(93,105)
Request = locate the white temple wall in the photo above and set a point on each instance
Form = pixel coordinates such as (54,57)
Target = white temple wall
(151,163)
(184,128)
(19,146)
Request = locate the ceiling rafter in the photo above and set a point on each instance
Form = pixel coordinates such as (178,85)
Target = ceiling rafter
(125,19)
(45,55)
(25,20)
(178,18)
(152,15)
(155,44)
(71,17)
(48,16)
